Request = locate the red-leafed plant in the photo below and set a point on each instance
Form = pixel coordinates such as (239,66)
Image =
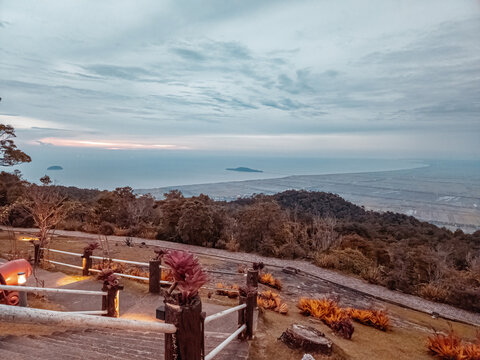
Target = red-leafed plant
(90,247)
(159,254)
(108,277)
(187,273)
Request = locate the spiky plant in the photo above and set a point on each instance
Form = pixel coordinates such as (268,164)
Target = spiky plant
(159,254)
(227,290)
(330,313)
(269,280)
(452,347)
(187,274)
(271,301)
(376,318)
(108,277)
(91,246)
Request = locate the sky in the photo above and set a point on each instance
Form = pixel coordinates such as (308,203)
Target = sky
(371,78)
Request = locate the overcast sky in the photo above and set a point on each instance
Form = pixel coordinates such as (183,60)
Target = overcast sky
(393,78)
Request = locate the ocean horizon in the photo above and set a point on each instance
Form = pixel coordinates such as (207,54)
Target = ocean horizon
(143,170)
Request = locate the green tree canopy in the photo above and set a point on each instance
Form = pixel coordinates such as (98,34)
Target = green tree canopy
(9,153)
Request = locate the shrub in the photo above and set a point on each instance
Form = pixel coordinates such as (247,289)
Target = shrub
(348,260)
(452,347)
(271,301)
(187,273)
(376,318)
(226,290)
(106,228)
(432,291)
(330,313)
(269,280)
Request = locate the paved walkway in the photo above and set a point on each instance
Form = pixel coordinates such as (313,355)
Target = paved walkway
(134,304)
(353,284)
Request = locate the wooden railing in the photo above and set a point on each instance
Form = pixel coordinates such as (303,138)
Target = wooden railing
(155,268)
(174,315)
(69,319)
(187,344)
(105,294)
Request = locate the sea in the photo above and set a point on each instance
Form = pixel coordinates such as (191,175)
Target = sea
(151,169)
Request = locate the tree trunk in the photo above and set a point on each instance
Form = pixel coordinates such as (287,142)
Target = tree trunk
(306,338)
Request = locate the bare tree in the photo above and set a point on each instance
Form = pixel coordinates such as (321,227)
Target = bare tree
(324,235)
(47,208)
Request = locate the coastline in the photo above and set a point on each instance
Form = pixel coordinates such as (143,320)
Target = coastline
(427,192)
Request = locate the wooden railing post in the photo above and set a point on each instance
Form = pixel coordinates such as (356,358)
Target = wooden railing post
(87,262)
(111,301)
(252,278)
(187,342)
(36,253)
(155,275)
(248,297)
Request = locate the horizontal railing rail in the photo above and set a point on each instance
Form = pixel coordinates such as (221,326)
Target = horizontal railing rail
(137,263)
(64,264)
(52,290)
(62,252)
(58,318)
(221,314)
(225,342)
(88,312)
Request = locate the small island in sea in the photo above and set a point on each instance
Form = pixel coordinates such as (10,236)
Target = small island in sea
(55,167)
(244,169)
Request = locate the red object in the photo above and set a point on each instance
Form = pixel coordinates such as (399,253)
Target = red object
(9,276)
(11,269)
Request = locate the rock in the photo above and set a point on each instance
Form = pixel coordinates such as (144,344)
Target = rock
(290,270)
(306,338)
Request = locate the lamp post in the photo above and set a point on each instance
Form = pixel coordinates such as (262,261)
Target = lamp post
(22,295)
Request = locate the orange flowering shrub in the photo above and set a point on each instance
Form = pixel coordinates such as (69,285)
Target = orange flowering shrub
(271,301)
(269,280)
(451,347)
(225,290)
(376,318)
(330,313)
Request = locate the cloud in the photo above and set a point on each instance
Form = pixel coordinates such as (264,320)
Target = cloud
(109,145)
(246,68)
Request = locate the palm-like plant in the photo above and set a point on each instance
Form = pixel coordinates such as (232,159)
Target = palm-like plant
(187,273)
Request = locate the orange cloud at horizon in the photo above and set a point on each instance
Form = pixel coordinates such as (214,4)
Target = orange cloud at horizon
(109,145)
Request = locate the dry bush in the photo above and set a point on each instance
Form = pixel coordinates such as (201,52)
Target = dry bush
(452,347)
(434,292)
(227,290)
(271,301)
(269,280)
(376,318)
(121,232)
(348,260)
(232,245)
(373,275)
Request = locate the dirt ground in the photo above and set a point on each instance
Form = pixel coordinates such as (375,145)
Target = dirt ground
(405,340)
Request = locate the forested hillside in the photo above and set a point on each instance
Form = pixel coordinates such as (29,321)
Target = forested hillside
(393,250)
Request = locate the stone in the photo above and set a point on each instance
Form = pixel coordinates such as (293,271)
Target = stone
(290,270)
(306,338)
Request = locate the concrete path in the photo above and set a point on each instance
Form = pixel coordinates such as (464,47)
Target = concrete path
(351,283)
(134,304)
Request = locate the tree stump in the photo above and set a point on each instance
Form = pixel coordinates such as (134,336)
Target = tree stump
(306,338)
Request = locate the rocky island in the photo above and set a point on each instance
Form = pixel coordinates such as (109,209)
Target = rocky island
(244,169)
